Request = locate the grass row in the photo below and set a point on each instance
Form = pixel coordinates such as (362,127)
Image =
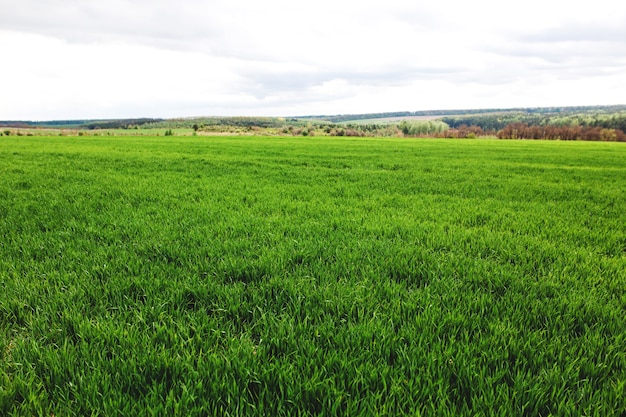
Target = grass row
(232,276)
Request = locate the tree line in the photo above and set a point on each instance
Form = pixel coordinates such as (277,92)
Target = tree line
(491,124)
(525,131)
(472,113)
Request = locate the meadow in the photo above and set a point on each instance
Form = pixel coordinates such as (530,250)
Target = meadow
(311,276)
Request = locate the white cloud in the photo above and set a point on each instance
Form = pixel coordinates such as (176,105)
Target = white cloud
(163,58)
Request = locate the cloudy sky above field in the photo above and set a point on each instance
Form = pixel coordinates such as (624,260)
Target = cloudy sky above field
(68,59)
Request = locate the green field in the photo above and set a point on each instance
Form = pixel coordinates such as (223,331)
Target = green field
(311,276)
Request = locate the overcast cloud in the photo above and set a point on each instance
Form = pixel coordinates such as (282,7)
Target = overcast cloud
(67,59)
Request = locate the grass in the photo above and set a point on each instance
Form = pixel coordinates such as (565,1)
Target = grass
(311,276)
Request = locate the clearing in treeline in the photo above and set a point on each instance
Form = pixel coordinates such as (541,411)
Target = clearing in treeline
(311,276)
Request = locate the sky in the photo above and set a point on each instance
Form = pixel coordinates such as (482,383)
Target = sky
(96,59)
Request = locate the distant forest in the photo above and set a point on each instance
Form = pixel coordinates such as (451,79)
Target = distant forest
(80,124)
(606,123)
(493,123)
(473,112)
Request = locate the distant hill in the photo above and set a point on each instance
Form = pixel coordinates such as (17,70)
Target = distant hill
(295,121)
(79,124)
(466,112)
